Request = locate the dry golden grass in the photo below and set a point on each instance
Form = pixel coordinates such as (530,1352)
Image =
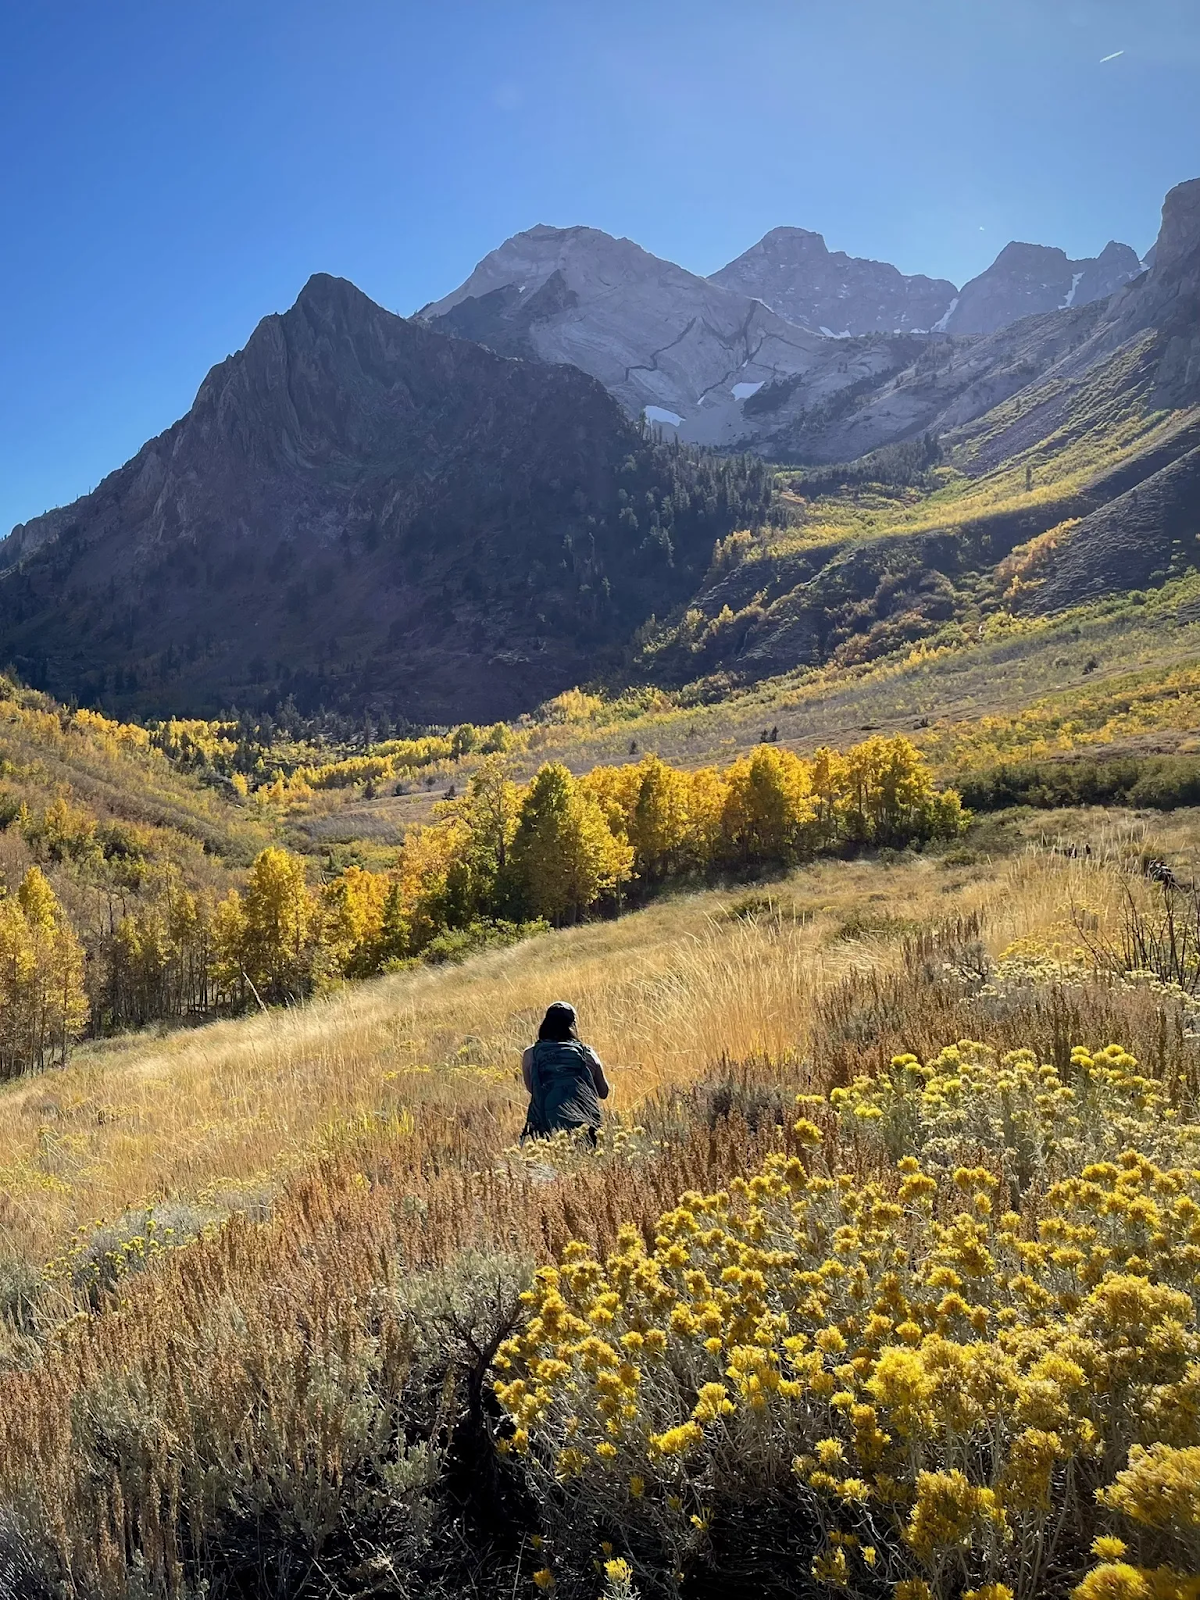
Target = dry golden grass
(212,1115)
(216,1118)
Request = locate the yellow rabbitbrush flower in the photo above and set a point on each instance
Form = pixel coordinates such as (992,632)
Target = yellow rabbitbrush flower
(1160,1489)
(947,1512)
(938,1354)
(1120,1581)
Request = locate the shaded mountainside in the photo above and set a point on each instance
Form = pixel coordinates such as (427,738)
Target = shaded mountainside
(359,510)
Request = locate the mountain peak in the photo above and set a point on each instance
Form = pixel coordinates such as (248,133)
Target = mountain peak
(663,340)
(794,272)
(326,294)
(788,236)
(1028,280)
(358,508)
(321,284)
(1020,253)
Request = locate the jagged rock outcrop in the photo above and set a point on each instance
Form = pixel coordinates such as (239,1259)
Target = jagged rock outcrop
(1166,299)
(1030,279)
(793,271)
(359,509)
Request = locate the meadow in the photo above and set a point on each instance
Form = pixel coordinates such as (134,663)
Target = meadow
(268,1323)
(1021,688)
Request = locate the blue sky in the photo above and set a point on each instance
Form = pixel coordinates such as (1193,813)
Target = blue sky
(173,172)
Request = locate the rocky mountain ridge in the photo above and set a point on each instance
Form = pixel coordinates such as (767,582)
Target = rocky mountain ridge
(658,338)
(1027,280)
(691,353)
(794,272)
(955,381)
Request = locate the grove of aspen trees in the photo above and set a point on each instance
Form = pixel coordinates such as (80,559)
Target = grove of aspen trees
(500,859)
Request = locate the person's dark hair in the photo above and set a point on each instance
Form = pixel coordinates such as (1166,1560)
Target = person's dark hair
(559,1022)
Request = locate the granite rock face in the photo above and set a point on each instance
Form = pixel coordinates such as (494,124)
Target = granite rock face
(655,336)
(792,271)
(791,350)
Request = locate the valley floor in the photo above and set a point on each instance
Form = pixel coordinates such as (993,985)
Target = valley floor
(1053,685)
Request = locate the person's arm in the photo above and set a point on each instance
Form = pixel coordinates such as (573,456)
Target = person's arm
(527,1069)
(597,1070)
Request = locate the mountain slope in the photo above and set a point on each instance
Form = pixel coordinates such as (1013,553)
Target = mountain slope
(1071,450)
(358,509)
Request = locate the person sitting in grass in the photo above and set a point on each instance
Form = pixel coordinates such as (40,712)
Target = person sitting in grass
(565,1079)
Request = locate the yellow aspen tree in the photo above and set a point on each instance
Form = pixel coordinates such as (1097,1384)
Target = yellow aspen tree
(563,849)
(615,790)
(658,829)
(38,901)
(17,966)
(769,810)
(54,1003)
(352,909)
(862,786)
(281,925)
(228,950)
(433,879)
(489,811)
(904,794)
(829,777)
(708,791)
